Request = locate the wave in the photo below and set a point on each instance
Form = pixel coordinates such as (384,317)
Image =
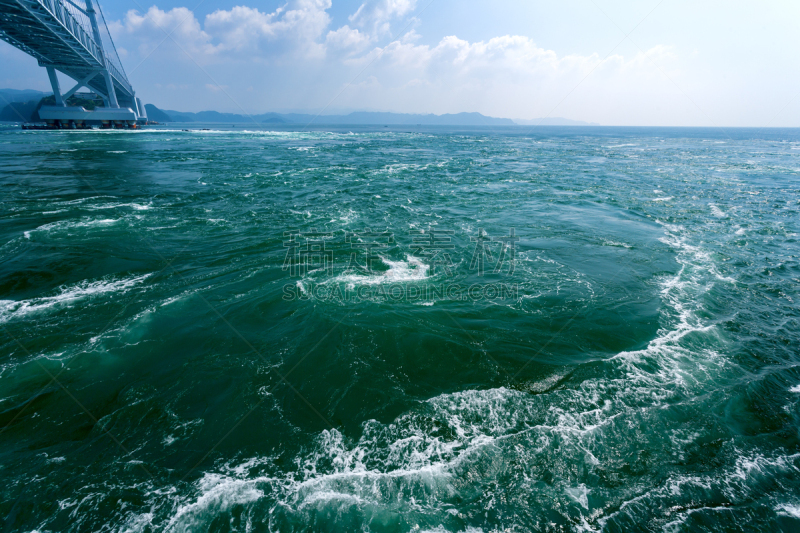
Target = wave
(480,445)
(750,478)
(411,270)
(63,225)
(67,296)
(135,206)
(717,212)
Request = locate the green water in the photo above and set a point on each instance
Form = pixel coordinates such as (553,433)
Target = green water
(234,330)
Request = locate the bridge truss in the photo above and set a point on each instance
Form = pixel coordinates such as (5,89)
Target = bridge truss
(71,36)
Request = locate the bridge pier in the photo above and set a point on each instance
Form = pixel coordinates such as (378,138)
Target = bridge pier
(51,72)
(112,94)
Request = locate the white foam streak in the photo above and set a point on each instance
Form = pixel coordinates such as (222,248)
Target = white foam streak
(409,271)
(67,296)
(717,212)
(137,207)
(218,494)
(63,225)
(789,510)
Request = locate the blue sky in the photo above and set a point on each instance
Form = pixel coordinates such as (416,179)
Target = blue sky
(648,62)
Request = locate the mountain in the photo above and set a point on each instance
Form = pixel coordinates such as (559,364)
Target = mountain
(365,118)
(553,121)
(205,116)
(8,96)
(154,113)
(176,116)
(273,118)
(356,118)
(21,106)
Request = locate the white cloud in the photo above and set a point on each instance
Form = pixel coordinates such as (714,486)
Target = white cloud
(376,15)
(505,76)
(347,39)
(509,57)
(297,26)
(216,88)
(293,29)
(305,63)
(301,27)
(153,27)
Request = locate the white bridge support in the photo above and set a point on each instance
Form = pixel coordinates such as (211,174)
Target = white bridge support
(111,94)
(67,36)
(51,72)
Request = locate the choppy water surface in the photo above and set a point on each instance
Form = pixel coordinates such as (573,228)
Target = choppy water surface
(165,367)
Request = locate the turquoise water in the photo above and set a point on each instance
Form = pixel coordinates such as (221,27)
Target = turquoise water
(200,334)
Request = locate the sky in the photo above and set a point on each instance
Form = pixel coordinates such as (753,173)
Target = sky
(614,62)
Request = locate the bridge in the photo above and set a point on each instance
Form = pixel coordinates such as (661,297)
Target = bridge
(72,37)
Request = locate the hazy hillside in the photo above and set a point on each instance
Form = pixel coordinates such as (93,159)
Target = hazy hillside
(154,113)
(8,96)
(20,106)
(362,117)
(553,121)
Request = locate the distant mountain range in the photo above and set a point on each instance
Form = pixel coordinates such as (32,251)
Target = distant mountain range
(20,106)
(356,118)
(8,96)
(361,118)
(553,121)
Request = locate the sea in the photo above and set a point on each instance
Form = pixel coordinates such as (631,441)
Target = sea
(265,328)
